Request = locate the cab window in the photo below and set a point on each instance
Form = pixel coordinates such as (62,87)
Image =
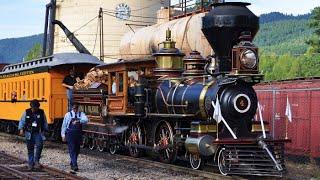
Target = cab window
(120,82)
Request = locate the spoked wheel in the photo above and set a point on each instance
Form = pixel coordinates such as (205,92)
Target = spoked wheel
(134,137)
(100,148)
(100,143)
(113,149)
(113,146)
(92,144)
(84,143)
(195,161)
(222,162)
(164,140)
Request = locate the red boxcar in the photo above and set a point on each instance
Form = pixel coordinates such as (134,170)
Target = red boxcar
(304,97)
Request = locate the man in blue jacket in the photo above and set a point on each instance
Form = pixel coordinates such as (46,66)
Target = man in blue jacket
(71,131)
(33,124)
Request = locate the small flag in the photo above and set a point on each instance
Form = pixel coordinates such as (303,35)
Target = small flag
(217,111)
(217,115)
(288,111)
(261,120)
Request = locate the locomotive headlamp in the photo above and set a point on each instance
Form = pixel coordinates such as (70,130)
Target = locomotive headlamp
(248,59)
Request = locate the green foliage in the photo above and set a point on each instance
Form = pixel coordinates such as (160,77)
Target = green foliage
(314,41)
(34,53)
(283,37)
(13,50)
(280,67)
(283,51)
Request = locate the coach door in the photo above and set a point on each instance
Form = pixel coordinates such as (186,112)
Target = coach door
(117,87)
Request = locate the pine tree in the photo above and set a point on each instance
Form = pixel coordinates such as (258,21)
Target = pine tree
(314,42)
(34,53)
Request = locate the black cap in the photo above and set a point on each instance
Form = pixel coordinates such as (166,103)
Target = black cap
(34,104)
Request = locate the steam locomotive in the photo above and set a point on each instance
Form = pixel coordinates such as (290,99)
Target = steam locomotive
(189,107)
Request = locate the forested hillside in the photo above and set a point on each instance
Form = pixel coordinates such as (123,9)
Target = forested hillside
(15,49)
(276,16)
(284,37)
(284,53)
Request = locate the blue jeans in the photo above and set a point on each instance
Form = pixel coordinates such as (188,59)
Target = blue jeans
(35,140)
(74,140)
(70,99)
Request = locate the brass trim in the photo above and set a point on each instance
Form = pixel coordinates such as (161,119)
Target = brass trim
(202,96)
(209,128)
(172,97)
(184,109)
(258,128)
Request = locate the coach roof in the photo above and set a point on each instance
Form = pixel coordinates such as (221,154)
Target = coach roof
(51,61)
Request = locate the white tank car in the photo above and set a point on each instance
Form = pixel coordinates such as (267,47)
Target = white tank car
(185,31)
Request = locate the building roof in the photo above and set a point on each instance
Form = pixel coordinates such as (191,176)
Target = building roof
(52,61)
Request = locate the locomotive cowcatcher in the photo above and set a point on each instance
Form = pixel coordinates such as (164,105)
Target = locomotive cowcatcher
(190,107)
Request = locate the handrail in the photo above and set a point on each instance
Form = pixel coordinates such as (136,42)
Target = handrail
(166,103)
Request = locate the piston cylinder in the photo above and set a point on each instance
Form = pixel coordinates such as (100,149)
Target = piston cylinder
(201,145)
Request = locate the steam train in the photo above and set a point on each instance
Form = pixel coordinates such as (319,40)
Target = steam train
(173,108)
(181,107)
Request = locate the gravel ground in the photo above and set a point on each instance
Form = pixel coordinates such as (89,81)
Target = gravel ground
(104,166)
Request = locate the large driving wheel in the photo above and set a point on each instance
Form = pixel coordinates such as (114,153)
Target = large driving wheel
(134,138)
(164,140)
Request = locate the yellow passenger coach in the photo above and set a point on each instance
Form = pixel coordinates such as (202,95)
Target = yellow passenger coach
(39,79)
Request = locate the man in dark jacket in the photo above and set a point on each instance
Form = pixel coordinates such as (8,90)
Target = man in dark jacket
(33,124)
(68,83)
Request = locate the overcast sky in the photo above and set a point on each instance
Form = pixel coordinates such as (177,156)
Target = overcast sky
(26,17)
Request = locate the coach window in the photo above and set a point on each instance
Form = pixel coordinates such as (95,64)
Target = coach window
(120,75)
(36,87)
(1,92)
(4,91)
(43,88)
(19,89)
(32,90)
(113,87)
(15,88)
(28,90)
(10,90)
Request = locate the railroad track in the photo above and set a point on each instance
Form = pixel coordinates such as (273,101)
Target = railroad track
(140,161)
(181,169)
(15,168)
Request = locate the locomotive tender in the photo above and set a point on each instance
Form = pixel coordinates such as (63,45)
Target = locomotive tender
(170,110)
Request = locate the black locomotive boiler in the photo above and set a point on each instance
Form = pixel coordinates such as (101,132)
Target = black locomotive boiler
(173,109)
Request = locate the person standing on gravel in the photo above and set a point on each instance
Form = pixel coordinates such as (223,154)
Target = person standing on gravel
(33,124)
(71,131)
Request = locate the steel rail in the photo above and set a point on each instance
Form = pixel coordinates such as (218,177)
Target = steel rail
(14,168)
